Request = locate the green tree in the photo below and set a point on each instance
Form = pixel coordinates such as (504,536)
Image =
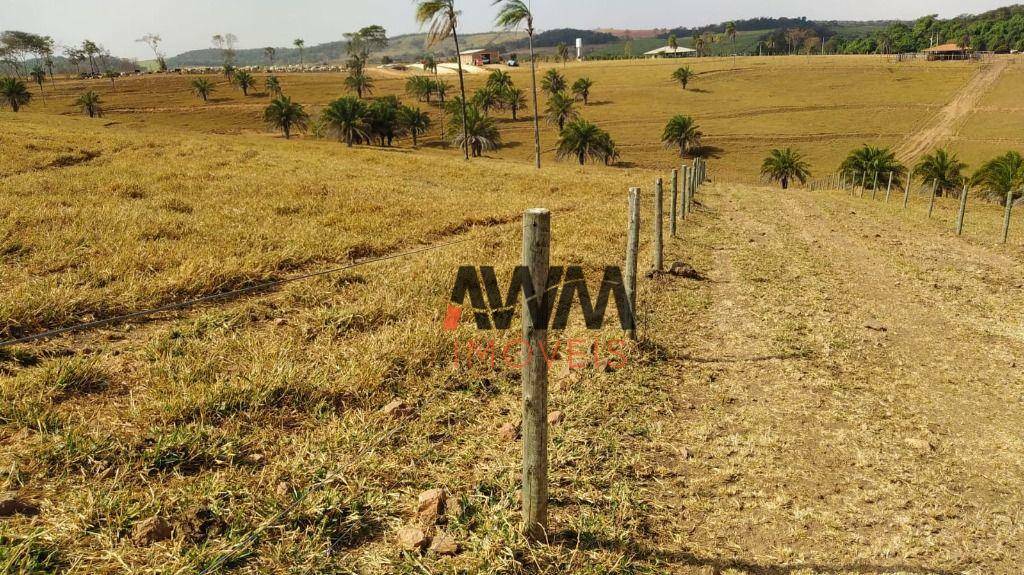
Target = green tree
(683,75)
(783,166)
(683,133)
(582,140)
(420,87)
(942,168)
(444,23)
(1002,179)
(553,82)
(563,52)
(673,42)
(486,98)
(560,110)
(14,93)
(862,164)
(110,75)
(415,121)
(346,117)
(39,75)
(382,118)
(730,32)
(202,88)
(581,89)
(513,14)
(357,81)
(499,80)
(244,81)
(270,53)
(90,102)
(301,45)
(514,100)
(286,115)
(272,85)
(480,130)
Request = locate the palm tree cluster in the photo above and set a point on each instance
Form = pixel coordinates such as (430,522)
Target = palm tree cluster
(867,163)
(578,138)
(1002,178)
(355,121)
(944,170)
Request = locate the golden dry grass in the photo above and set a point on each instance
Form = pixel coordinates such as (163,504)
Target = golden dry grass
(760,427)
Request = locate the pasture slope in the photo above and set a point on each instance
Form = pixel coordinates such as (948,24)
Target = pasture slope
(839,394)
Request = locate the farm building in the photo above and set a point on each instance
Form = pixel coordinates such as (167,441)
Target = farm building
(480,57)
(670,52)
(950,51)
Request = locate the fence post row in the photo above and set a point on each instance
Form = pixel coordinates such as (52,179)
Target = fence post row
(632,245)
(659,218)
(536,257)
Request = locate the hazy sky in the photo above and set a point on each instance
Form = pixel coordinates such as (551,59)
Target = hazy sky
(189,24)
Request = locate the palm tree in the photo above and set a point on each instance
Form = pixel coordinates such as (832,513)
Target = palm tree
(444,22)
(14,93)
(382,117)
(865,162)
(90,102)
(244,80)
(269,53)
(110,74)
(560,110)
(486,98)
(563,52)
(582,140)
(683,76)
(944,169)
(514,99)
(301,45)
(499,80)
(346,117)
(581,89)
(515,13)
(229,72)
(553,82)
(284,114)
(39,75)
(682,132)
(357,81)
(785,165)
(421,87)
(273,85)
(698,43)
(1002,178)
(415,121)
(202,88)
(481,132)
(730,32)
(673,42)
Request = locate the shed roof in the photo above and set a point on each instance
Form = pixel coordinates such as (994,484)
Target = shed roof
(951,47)
(669,50)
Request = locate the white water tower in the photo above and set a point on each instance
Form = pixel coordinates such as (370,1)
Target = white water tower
(579,48)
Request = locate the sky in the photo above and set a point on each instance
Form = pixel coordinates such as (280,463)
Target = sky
(189,24)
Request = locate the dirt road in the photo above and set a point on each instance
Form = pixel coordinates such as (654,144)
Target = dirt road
(945,123)
(849,400)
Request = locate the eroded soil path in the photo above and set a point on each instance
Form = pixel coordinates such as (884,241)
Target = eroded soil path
(850,398)
(945,123)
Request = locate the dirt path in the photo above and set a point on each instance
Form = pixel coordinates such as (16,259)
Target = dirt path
(849,399)
(944,124)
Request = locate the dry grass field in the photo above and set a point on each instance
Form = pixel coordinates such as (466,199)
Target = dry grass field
(840,394)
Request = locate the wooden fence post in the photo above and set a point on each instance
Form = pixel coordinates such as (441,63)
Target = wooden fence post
(632,245)
(863,182)
(962,212)
(675,203)
(536,257)
(1006,218)
(686,190)
(874,186)
(931,204)
(888,189)
(906,192)
(659,218)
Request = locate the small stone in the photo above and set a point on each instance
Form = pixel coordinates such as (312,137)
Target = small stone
(280,322)
(11,505)
(685,453)
(556,417)
(282,489)
(430,506)
(875,326)
(444,544)
(397,408)
(920,444)
(152,530)
(604,366)
(509,432)
(685,270)
(412,538)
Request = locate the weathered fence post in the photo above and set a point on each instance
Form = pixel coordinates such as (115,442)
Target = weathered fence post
(863,182)
(675,203)
(659,218)
(1006,218)
(686,190)
(906,192)
(536,254)
(931,204)
(632,245)
(874,186)
(962,212)
(888,189)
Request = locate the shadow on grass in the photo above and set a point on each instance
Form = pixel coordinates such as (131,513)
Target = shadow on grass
(590,541)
